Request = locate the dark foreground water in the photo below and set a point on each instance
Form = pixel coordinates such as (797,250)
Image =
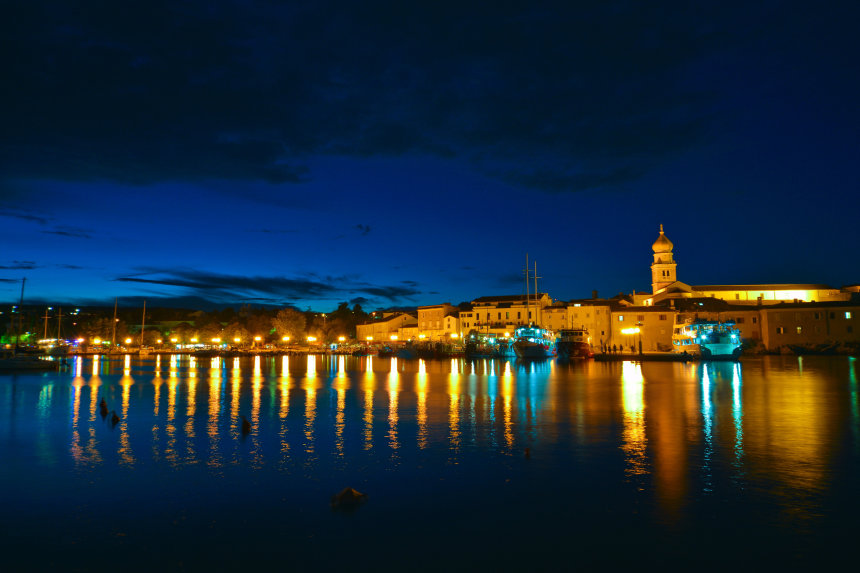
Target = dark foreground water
(486,465)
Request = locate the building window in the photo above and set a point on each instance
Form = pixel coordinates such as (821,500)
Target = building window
(847,314)
(832,315)
(780,330)
(755,319)
(662,317)
(602,333)
(849,329)
(817,316)
(620,318)
(518,315)
(800,330)
(739,320)
(507,315)
(641,318)
(737,296)
(500,316)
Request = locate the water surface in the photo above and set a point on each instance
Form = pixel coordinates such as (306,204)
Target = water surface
(469,465)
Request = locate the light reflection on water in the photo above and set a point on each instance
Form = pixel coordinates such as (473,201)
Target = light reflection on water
(671,439)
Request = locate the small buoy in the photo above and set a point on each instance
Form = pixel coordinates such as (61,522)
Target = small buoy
(528,453)
(114,419)
(348,498)
(246,426)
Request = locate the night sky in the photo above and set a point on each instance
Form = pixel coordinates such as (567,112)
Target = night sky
(408,153)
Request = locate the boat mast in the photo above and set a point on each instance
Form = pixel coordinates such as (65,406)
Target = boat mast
(528,297)
(20,318)
(113,332)
(46,317)
(59,318)
(537,308)
(142,323)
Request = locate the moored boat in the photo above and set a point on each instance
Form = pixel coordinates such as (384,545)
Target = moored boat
(573,343)
(534,342)
(708,339)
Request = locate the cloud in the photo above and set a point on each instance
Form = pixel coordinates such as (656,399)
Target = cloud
(271,289)
(566,98)
(364,229)
(24,215)
(19,265)
(70,232)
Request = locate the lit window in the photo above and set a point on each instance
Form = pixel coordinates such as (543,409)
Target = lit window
(780,330)
(800,330)
(620,318)
(662,317)
(847,314)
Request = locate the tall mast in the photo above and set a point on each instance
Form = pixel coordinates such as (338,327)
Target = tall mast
(59,318)
(537,305)
(113,332)
(528,298)
(20,317)
(46,317)
(142,323)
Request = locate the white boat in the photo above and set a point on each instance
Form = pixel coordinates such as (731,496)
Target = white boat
(708,339)
(534,342)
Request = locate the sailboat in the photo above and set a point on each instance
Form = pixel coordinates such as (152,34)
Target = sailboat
(17,360)
(532,341)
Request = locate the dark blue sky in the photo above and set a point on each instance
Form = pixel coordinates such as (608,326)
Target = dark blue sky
(388,153)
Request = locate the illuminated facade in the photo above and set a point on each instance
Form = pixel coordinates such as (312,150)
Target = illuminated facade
(381,330)
(432,324)
(501,314)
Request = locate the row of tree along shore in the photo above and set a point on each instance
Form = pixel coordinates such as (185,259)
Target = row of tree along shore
(245,328)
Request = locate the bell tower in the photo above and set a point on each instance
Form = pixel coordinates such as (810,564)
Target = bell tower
(663,269)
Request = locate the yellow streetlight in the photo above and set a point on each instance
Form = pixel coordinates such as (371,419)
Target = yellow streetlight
(97,340)
(341,338)
(393,337)
(312,338)
(216,340)
(257,338)
(159,341)
(194,340)
(174,340)
(237,339)
(286,339)
(128,340)
(369,338)
(454,335)
(421,336)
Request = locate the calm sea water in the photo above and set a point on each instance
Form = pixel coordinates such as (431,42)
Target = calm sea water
(469,465)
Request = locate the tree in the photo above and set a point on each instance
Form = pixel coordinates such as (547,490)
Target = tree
(289,322)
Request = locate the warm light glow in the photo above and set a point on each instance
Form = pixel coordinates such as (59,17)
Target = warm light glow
(370,338)
(216,340)
(193,340)
(159,341)
(237,339)
(507,335)
(257,338)
(286,338)
(341,338)
(633,330)
(420,336)
(393,337)
(312,338)
(454,335)
(97,341)
(80,340)
(128,340)
(174,340)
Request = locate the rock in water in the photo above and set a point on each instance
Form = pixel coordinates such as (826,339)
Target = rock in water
(348,499)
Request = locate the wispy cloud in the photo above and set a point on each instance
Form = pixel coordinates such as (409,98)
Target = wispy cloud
(19,265)
(273,289)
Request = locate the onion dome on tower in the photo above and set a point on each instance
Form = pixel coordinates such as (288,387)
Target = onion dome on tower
(662,244)
(664,268)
